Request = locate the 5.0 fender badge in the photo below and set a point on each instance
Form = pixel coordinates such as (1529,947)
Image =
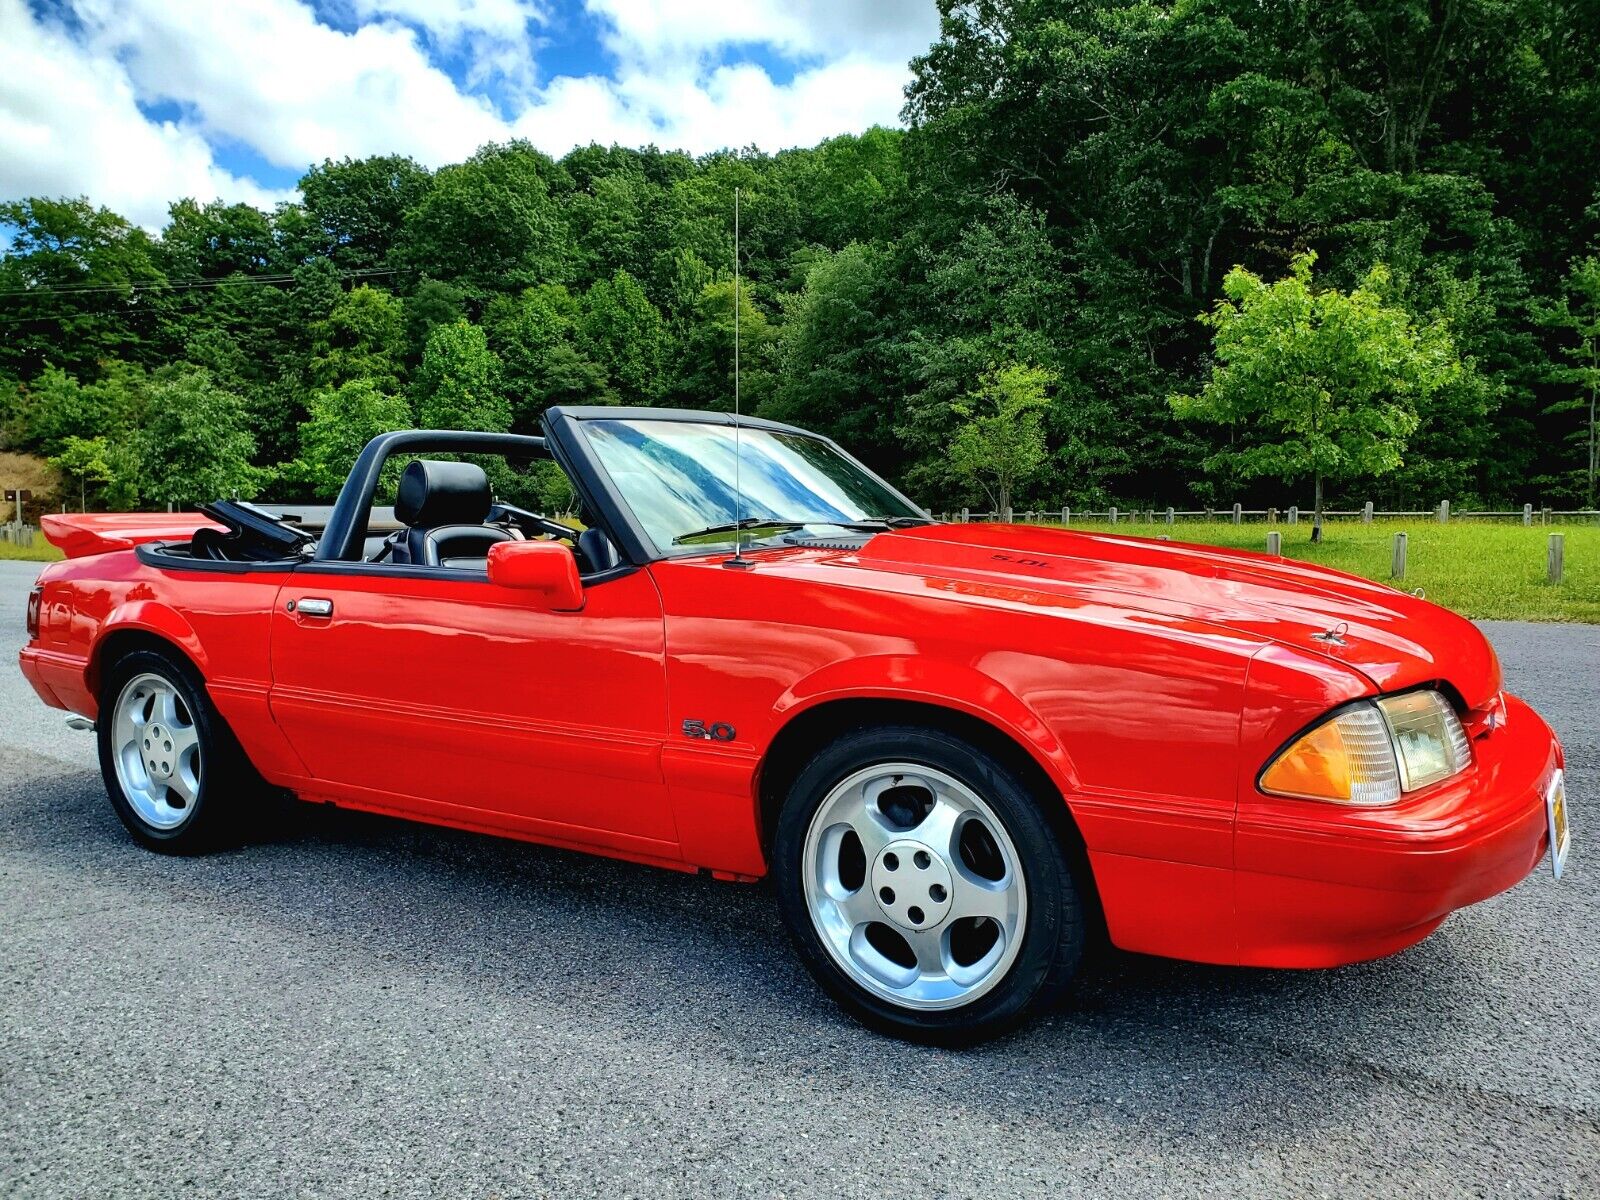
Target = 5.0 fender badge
(715,731)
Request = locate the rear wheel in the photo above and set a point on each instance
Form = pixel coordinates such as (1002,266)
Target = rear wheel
(175,775)
(923,886)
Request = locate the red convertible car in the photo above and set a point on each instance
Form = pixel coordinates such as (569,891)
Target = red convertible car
(959,750)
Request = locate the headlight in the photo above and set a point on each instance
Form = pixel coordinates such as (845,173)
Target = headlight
(1428,739)
(1369,754)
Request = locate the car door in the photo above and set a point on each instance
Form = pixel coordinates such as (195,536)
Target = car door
(437,693)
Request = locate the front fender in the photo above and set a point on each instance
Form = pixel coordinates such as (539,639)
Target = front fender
(943,684)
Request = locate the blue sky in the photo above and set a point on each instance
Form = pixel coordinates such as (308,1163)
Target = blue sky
(136,103)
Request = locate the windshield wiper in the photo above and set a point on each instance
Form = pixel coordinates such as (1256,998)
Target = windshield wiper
(884,523)
(735,526)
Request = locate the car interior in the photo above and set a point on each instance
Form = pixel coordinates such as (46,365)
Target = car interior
(445,515)
(442,508)
(448,518)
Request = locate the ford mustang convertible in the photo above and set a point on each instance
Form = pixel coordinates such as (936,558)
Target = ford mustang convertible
(960,751)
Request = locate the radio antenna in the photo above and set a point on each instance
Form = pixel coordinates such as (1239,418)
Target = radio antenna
(738,561)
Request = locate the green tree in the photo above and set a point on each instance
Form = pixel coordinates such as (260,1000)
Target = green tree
(342,421)
(704,377)
(533,335)
(837,354)
(215,240)
(1577,314)
(356,206)
(457,383)
(362,337)
(490,224)
(86,460)
(67,280)
(195,442)
(623,332)
(849,188)
(433,304)
(1317,383)
(1000,441)
(56,407)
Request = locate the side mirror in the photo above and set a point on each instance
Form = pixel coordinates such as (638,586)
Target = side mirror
(547,568)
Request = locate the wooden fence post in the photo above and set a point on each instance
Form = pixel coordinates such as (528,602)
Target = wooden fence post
(1272,516)
(1555,556)
(1527,514)
(1238,513)
(1275,543)
(1444,512)
(1170,514)
(1113,514)
(1211,514)
(1366,513)
(966,515)
(1294,514)
(1066,515)
(1545,515)
(1397,565)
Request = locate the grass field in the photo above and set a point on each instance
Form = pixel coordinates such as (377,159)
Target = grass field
(40,551)
(1482,569)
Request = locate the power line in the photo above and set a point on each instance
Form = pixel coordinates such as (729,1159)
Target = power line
(180,285)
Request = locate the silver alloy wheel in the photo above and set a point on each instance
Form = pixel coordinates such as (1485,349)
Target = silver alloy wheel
(156,748)
(930,889)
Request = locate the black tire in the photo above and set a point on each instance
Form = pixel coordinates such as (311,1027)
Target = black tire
(227,783)
(1054,929)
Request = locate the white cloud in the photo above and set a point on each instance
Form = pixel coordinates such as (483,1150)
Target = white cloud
(454,22)
(729,106)
(70,125)
(885,30)
(266,73)
(495,37)
(668,89)
(269,76)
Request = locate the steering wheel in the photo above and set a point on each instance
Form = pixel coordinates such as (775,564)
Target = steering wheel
(502,514)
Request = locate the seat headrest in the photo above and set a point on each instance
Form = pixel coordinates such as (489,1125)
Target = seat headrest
(434,493)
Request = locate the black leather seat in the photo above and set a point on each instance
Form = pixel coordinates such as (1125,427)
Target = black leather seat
(443,505)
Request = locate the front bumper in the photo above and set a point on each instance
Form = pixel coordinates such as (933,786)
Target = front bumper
(1318,885)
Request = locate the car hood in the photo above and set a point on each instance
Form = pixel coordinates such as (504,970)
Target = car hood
(1396,639)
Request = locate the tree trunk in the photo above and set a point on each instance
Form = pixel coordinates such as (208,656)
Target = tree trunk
(1316,512)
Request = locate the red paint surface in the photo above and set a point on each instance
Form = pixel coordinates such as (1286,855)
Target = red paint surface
(1149,681)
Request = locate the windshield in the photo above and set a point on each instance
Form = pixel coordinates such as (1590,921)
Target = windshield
(678,478)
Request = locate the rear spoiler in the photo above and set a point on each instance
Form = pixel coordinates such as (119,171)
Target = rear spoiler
(79,535)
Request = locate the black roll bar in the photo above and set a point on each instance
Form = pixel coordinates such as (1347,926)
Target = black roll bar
(344,540)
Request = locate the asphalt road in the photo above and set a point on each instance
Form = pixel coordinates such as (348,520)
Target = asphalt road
(360,1007)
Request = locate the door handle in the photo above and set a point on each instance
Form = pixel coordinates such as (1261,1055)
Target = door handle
(312,606)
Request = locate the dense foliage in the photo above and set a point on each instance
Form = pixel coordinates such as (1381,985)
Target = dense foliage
(1005,298)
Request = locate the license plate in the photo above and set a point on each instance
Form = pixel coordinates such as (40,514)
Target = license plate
(1555,808)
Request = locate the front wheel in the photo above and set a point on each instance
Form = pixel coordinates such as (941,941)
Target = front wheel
(924,887)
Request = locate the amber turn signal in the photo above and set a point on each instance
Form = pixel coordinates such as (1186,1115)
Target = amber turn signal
(1348,759)
(1370,754)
